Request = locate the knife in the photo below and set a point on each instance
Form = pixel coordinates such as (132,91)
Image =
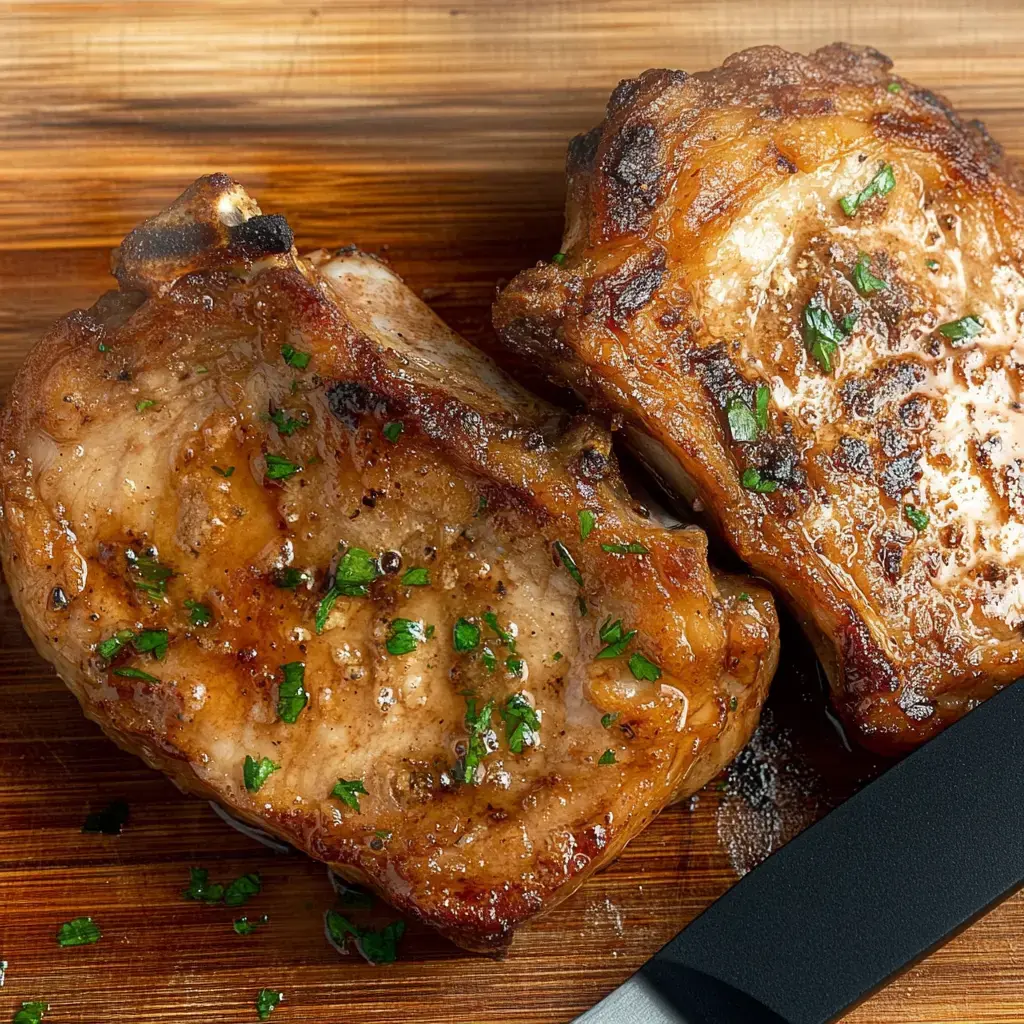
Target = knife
(875,885)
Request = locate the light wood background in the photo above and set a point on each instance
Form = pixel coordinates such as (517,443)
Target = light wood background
(436,132)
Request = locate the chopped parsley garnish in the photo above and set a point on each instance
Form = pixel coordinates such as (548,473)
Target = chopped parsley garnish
(478,723)
(863,280)
(288,578)
(644,669)
(110,647)
(150,575)
(356,898)
(291,694)
(489,660)
(267,1000)
(507,638)
(323,609)
(378,947)
(241,889)
(255,773)
(293,357)
(894,87)
(280,468)
(393,430)
(753,481)
(201,888)
(110,821)
(224,472)
(522,724)
(465,636)
(135,673)
(143,404)
(152,640)
(356,571)
(557,656)
(881,184)
(198,614)
(416,577)
(744,596)
(741,419)
(821,335)
(581,603)
(558,259)
(30,1013)
(287,425)
(243,926)
(567,560)
(965,328)
(634,547)
(917,518)
(761,398)
(587,522)
(733,703)
(348,792)
(615,637)
(607,721)
(608,757)
(515,666)
(82,931)
(405,636)
(932,264)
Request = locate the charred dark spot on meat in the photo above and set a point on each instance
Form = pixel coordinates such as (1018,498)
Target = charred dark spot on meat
(890,557)
(866,396)
(583,151)
(866,670)
(854,455)
(632,165)
(718,373)
(591,464)
(778,459)
(622,294)
(894,442)
(349,401)
(900,474)
(264,235)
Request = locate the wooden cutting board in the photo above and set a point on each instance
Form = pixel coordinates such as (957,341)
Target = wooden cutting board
(433,133)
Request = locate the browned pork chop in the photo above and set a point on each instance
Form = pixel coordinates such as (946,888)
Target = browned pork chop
(257,506)
(798,282)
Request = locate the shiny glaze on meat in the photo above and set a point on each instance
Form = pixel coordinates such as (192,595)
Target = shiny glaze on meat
(477,488)
(703,217)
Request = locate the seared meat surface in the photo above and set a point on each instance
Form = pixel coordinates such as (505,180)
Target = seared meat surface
(797,282)
(293,541)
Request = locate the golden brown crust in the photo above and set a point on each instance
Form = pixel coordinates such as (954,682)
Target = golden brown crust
(703,222)
(153,425)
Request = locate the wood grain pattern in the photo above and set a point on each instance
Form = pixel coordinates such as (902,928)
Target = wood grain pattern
(434,131)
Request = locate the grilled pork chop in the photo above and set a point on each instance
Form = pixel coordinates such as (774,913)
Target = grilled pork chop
(293,541)
(798,282)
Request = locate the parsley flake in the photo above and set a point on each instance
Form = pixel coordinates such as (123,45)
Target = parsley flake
(268,1000)
(30,1013)
(135,673)
(293,357)
(224,472)
(377,947)
(405,636)
(356,571)
(964,329)
(279,467)
(287,425)
(323,610)
(608,757)
(416,577)
(894,87)
(932,264)
(615,637)
(863,280)
(821,335)
(753,481)
(917,518)
(607,721)
(153,641)
(881,184)
(588,520)
(558,259)
(504,635)
(150,575)
(198,614)
(200,888)
(393,430)
(291,694)
(348,792)
(644,669)
(143,404)
(241,889)
(567,560)
(82,931)
(243,926)
(741,419)
(110,647)
(288,578)
(480,742)
(634,547)
(255,773)
(522,723)
(761,398)
(465,636)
